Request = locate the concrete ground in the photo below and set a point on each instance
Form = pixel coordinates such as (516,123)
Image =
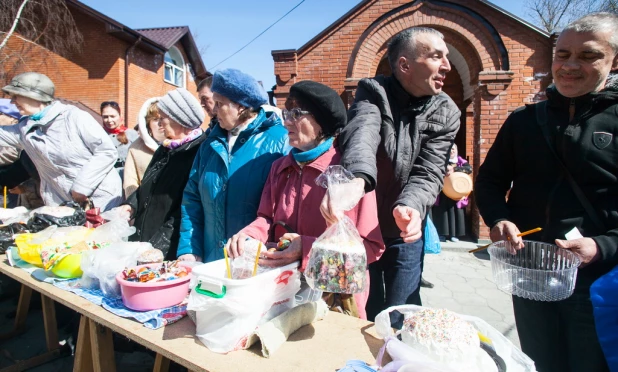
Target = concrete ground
(463,283)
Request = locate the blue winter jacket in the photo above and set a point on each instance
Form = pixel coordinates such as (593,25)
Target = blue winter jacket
(224,190)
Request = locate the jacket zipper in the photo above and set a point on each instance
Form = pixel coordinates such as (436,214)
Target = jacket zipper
(552,194)
(571,110)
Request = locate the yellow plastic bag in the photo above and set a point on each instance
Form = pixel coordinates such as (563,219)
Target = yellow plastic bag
(29,245)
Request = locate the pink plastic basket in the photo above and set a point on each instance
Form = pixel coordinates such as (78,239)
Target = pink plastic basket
(152,296)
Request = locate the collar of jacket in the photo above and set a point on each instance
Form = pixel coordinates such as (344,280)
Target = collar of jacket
(55,109)
(262,122)
(405,100)
(320,163)
(608,95)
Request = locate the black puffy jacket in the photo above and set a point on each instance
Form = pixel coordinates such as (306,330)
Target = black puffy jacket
(156,203)
(399,144)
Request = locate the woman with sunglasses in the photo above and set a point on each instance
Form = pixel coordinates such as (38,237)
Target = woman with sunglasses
(314,115)
(121,136)
(230,169)
(72,153)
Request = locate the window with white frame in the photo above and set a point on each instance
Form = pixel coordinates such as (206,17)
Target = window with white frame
(174,67)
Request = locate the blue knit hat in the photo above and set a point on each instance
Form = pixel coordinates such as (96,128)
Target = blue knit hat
(239,87)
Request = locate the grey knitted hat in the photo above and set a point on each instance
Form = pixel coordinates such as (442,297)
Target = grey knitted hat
(182,107)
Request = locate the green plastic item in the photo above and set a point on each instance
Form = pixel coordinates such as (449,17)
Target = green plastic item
(205,292)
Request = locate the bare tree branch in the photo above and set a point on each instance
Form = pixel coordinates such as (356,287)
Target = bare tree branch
(553,15)
(32,29)
(609,6)
(15,22)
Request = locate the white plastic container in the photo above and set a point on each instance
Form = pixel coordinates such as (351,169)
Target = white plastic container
(539,271)
(228,310)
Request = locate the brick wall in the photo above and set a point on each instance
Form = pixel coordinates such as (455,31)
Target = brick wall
(353,49)
(97,73)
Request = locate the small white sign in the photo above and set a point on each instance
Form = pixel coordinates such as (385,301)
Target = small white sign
(573,234)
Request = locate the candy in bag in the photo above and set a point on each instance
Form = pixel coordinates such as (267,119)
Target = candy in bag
(338,260)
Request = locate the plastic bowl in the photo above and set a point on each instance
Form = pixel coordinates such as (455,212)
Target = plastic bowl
(153,295)
(31,253)
(68,267)
(539,271)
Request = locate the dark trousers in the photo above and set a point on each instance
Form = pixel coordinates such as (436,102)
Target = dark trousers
(560,336)
(395,279)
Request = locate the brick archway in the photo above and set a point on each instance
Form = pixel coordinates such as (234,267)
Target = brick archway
(477,53)
(486,45)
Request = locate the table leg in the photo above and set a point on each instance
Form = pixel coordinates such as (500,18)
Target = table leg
(83,348)
(21,315)
(162,364)
(49,321)
(102,348)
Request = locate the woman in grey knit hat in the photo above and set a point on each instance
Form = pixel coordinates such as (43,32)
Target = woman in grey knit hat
(156,203)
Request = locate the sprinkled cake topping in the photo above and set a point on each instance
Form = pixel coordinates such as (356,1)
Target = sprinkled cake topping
(441,334)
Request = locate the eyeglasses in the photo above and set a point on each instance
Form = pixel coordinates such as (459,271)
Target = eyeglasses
(294,114)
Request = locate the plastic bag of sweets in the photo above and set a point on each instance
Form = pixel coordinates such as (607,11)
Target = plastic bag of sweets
(242,266)
(338,260)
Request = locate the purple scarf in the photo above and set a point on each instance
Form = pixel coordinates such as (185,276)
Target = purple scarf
(174,144)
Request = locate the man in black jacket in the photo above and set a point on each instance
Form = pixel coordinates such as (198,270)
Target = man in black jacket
(579,120)
(398,138)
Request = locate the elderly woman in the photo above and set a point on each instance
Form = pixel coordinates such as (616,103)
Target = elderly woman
(141,151)
(156,203)
(449,216)
(72,153)
(230,169)
(314,114)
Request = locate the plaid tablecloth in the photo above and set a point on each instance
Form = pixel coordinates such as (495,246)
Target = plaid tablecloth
(153,319)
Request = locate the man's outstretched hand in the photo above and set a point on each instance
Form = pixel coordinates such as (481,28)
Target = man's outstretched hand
(409,222)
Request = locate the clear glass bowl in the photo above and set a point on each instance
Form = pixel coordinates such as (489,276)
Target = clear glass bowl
(539,271)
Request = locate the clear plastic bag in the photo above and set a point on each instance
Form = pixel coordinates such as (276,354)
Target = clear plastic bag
(242,266)
(114,231)
(338,260)
(14,215)
(343,193)
(100,266)
(118,213)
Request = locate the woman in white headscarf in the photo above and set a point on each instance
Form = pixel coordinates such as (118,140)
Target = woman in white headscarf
(141,151)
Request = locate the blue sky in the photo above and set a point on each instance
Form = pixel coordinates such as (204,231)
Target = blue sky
(224,26)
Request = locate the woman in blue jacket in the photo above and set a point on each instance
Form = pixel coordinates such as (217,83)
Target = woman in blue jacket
(228,174)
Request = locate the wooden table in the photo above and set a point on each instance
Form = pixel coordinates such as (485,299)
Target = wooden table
(322,346)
